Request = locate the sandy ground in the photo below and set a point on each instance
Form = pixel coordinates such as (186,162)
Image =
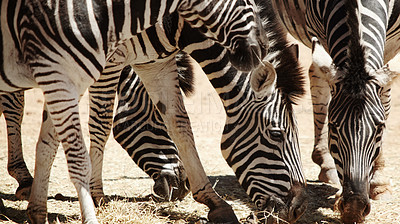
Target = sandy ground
(124,180)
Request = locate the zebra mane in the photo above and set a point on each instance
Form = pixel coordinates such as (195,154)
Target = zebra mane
(355,76)
(290,79)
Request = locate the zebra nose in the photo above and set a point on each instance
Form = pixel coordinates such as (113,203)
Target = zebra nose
(354,209)
(298,203)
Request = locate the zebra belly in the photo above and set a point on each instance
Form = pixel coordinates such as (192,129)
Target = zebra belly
(15,75)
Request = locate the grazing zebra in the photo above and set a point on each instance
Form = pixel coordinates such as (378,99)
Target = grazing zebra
(63,46)
(360,36)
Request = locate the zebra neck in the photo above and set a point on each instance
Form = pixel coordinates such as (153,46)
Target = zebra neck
(393,32)
(233,88)
(373,25)
(365,19)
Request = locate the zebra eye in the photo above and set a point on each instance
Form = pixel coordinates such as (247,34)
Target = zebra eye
(276,135)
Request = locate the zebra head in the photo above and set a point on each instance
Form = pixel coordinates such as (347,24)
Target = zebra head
(260,140)
(356,125)
(235,24)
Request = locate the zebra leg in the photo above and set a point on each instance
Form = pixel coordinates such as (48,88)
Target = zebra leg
(12,106)
(140,130)
(161,82)
(63,109)
(320,95)
(46,150)
(101,101)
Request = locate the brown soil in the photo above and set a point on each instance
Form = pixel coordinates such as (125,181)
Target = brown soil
(129,186)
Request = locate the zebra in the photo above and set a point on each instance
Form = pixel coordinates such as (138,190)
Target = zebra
(138,124)
(62,47)
(356,85)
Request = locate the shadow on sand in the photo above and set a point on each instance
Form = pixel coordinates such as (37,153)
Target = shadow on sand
(321,196)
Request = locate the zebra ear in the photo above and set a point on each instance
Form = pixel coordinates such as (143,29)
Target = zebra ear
(263,80)
(321,60)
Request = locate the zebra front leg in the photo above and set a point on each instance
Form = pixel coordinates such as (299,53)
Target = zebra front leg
(320,95)
(101,101)
(46,150)
(12,106)
(161,82)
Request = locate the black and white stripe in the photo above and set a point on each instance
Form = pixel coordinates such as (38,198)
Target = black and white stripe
(62,46)
(359,37)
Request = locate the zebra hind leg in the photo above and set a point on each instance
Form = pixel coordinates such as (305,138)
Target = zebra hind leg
(46,150)
(161,82)
(12,106)
(320,95)
(63,111)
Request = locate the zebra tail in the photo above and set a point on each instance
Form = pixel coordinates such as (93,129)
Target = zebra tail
(185,73)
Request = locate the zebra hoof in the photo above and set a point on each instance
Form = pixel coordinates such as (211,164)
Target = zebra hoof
(171,186)
(222,214)
(36,215)
(100,200)
(24,190)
